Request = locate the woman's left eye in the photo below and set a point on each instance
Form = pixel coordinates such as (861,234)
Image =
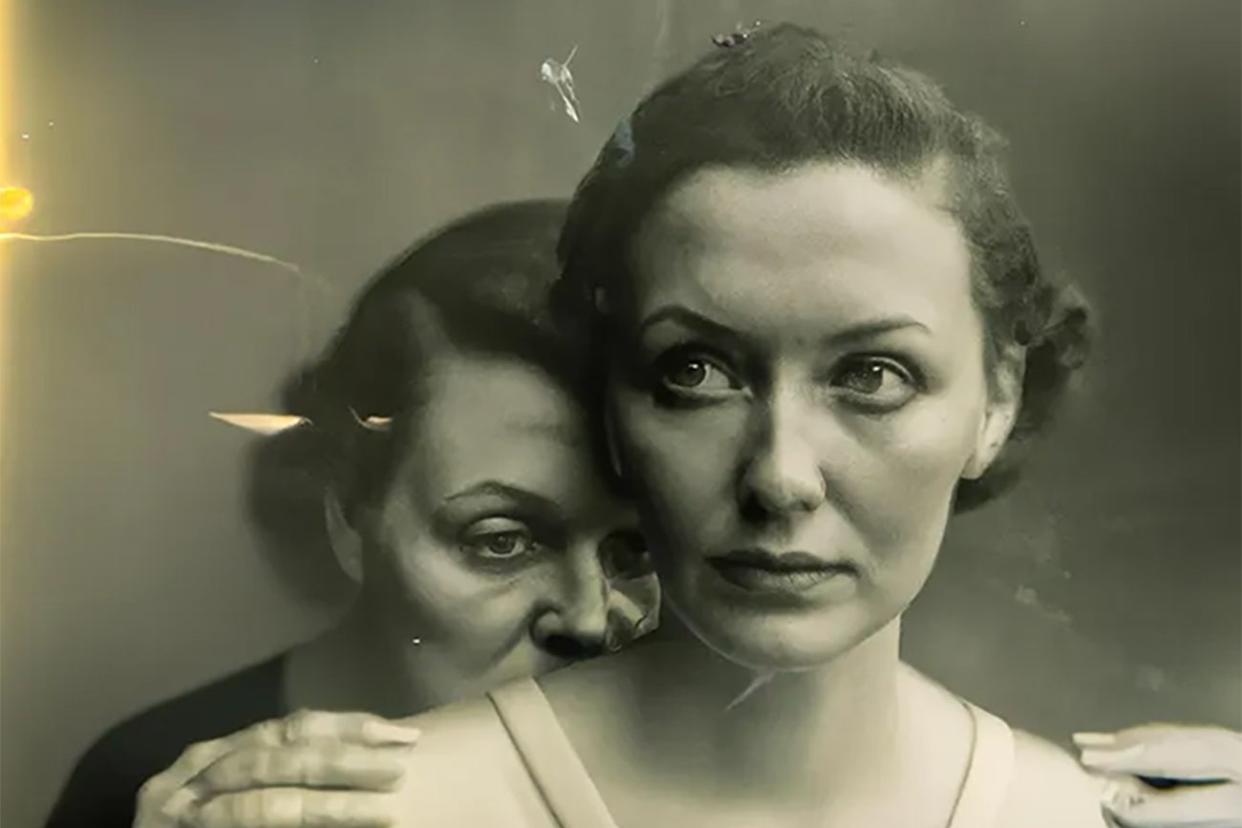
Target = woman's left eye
(497,539)
(875,381)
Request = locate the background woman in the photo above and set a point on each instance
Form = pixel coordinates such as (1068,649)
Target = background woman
(462,494)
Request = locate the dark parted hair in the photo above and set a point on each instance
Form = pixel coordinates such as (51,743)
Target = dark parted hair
(486,281)
(786,96)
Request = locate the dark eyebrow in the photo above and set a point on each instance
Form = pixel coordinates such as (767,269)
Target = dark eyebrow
(874,328)
(682,315)
(495,488)
(685,317)
(541,513)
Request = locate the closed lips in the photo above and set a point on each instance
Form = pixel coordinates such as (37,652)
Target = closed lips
(778,563)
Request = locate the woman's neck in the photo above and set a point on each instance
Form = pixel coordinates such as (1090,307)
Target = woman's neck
(683,712)
(355,665)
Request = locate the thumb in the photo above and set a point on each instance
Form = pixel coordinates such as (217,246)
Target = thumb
(1135,805)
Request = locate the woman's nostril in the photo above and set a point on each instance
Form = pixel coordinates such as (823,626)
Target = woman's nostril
(573,648)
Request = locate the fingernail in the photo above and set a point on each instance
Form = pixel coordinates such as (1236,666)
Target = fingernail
(1107,758)
(1089,740)
(391,732)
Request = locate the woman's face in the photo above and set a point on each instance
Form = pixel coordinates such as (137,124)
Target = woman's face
(802,388)
(497,550)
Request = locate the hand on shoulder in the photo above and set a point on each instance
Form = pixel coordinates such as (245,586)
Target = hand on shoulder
(349,769)
(1168,775)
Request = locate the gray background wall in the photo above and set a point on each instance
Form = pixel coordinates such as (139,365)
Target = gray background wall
(333,132)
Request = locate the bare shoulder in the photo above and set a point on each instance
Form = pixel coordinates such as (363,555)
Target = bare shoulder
(1049,788)
(465,770)
(456,726)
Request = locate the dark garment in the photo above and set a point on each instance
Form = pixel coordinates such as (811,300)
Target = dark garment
(104,786)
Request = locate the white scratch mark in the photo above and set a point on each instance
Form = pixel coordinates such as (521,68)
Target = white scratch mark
(557,74)
(756,683)
(372,423)
(265,424)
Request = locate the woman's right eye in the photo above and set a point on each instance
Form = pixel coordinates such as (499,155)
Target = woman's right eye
(499,539)
(694,374)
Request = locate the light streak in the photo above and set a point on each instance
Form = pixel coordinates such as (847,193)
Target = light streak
(265,424)
(226,249)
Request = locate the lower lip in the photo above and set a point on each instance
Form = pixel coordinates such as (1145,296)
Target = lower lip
(776,581)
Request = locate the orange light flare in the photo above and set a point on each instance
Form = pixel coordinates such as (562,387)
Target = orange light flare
(16,203)
(7,59)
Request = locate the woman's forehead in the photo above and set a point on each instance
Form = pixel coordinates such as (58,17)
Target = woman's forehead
(481,403)
(839,236)
(489,418)
(830,200)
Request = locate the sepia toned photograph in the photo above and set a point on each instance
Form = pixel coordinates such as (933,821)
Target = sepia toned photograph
(604,414)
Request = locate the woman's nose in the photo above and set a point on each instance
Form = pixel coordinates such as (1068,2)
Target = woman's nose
(574,623)
(781,473)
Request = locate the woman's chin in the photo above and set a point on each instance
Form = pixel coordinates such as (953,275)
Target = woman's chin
(777,642)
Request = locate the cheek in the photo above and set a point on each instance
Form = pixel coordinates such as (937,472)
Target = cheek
(426,585)
(677,461)
(898,485)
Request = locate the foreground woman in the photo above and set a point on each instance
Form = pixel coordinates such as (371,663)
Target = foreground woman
(823,327)
(486,543)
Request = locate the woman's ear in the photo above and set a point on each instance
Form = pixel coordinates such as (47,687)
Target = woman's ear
(342,536)
(1004,402)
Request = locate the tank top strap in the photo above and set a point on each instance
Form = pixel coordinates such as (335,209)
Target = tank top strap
(550,759)
(988,775)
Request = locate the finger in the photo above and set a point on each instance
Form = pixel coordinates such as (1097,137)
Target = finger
(296,808)
(163,810)
(1138,806)
(154,794)
(302,726)
(179,805)
(1150,733)
(311,765)
(1201,754)
(1091,739)
(355,728)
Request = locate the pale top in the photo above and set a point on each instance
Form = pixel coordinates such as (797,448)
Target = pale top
(512,765)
